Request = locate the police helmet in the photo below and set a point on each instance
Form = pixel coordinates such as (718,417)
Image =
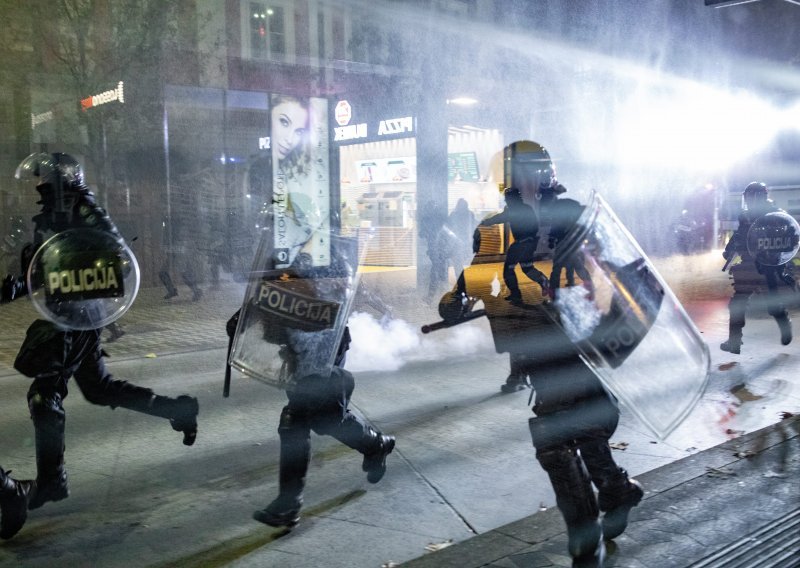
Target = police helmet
(527,164)
(52,168)
(512,193)
(56,177)
(755,197)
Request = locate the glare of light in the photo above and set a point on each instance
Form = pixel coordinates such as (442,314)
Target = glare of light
(791,117)
(694,128)
(462,101)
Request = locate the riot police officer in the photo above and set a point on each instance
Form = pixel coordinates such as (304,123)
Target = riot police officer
(751,274)
(318,393)
(51,354)
(575,416)
(320,404)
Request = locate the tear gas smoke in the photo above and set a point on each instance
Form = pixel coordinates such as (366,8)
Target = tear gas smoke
(388,345)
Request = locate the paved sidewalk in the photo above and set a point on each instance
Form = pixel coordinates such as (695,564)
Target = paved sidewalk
(737,504)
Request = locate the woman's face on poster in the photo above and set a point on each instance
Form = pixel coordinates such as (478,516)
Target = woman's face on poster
(289,127)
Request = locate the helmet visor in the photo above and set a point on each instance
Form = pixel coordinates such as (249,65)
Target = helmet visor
(35,168)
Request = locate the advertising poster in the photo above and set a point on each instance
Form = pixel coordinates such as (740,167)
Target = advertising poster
(300,180)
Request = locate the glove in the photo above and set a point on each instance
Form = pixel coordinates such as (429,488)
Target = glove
(230,327)
(726,255)
(11,289)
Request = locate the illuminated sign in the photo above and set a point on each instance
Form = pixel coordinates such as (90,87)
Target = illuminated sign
(366,126)
(396,126)
(343,113)
(350,132)
(105,97)
(264,142)
(37,119)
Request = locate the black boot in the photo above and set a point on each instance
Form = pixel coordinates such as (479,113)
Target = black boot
(375,461)
(182,414)
(282,512)
(617,493)
(514,383)
(166,280)
(785,325)
(616,499)
(13,504)
(49,422)
(355,433)
(576,501)
(732,345)
(734,342)
(517,377)
(295,438)
(50,489)
(586,545)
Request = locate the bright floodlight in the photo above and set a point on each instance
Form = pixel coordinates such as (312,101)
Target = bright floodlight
(694,127)
(463,101)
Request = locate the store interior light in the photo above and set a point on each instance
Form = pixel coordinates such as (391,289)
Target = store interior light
(462,101)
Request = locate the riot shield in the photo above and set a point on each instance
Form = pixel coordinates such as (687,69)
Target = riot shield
(773,239)
(628,325)
(292,319)
(83,279)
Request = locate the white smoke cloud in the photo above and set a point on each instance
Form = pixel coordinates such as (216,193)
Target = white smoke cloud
(387,345)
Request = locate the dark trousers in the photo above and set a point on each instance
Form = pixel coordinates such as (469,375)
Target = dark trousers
(575,418)
(318,404)
(51,356)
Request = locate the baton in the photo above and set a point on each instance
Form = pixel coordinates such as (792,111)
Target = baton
(427,328)
(728,262)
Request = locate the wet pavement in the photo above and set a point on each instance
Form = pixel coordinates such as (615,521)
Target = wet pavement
(736,504)
(463,466)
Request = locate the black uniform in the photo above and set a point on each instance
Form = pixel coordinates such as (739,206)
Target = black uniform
(319,403)
(574,415)
(51,355)
(574,419)
(748,277)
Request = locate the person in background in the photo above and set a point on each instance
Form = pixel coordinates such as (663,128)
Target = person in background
(749,275)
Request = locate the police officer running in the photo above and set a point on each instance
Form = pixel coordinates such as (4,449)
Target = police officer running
(51,354)
(752,272)
(575,416)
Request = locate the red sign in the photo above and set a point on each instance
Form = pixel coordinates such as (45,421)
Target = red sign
(343,113)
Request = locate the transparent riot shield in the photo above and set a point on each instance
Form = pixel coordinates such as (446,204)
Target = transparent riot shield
(773,239)
(83,279)
(292,319)
(627,323)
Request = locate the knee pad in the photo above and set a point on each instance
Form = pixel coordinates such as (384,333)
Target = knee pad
(45,406)
(292,423)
